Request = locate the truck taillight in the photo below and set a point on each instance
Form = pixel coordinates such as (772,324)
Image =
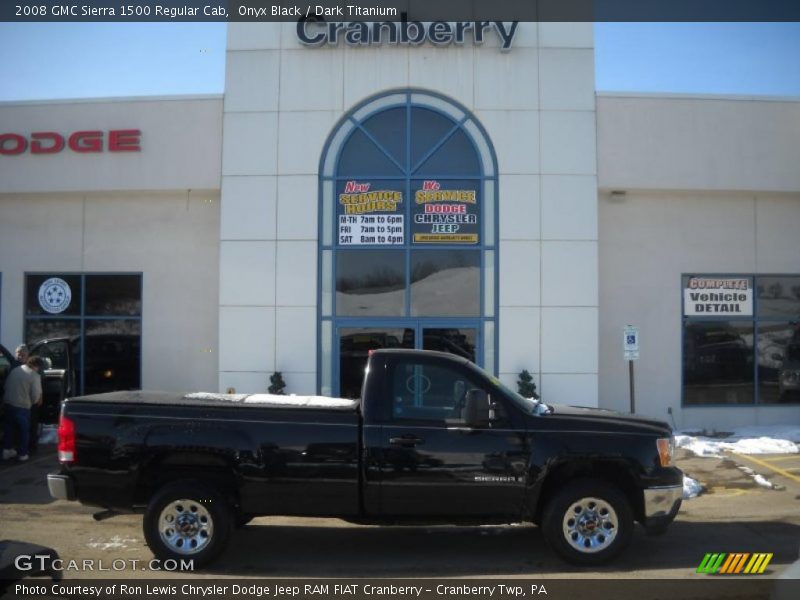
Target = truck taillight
(66,440)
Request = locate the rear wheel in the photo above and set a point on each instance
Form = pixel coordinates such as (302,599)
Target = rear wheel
(187,520)
(588,522)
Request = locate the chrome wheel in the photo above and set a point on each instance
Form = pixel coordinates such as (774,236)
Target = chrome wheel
(590,525)
(185,526)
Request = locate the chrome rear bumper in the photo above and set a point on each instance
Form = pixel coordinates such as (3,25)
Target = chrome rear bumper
(61,487)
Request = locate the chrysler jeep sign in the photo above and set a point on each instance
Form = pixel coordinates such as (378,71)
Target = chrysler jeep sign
(410,33)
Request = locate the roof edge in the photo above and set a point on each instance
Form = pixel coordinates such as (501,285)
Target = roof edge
(113,99)
(681,96)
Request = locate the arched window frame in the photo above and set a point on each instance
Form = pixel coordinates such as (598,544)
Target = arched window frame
(489,232)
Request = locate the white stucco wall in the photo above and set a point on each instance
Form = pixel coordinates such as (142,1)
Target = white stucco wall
(711,185)
(154,212)
(180,145)
(698,142)
(537,104)
(169,237)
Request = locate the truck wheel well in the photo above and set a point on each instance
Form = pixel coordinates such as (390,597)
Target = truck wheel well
(159,475)
(613,472)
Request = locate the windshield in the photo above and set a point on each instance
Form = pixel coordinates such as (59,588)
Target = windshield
(532,406)
(528,405)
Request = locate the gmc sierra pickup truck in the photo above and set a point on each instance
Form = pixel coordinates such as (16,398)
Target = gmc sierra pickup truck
(432,439)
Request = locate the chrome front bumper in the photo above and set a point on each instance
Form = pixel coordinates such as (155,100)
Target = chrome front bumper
(662,501)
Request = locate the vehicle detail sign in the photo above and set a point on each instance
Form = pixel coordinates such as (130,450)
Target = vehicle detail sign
(718,296)
(371,213)
(445,212)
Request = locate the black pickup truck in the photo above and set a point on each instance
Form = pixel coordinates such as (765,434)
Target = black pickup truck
(433,439)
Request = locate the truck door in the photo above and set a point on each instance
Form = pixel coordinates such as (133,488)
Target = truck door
(430,462)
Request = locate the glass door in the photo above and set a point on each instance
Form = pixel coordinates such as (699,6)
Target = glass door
(354,342)
(354,345)
(461,340)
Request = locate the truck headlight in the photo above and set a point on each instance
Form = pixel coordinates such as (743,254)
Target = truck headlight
(665,448)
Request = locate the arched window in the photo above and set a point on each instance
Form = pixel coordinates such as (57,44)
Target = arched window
(408,236)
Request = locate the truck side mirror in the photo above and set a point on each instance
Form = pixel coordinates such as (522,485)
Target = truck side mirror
(476,409)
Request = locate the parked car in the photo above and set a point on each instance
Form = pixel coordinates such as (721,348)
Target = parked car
(789,374)
(433,438)
(714,353)
(111,362)
(7,362)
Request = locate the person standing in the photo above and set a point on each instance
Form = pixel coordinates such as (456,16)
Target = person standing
(22,392)
(21,353)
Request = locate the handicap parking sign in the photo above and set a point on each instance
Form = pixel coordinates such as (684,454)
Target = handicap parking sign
(630,338)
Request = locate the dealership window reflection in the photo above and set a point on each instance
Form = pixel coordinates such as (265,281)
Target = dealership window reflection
(746,358)
(95,337)
(408,235)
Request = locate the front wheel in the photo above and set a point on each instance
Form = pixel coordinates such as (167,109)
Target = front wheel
(187,521)
(589,522)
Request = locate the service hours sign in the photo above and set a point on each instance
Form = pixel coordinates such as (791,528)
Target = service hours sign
(370,213)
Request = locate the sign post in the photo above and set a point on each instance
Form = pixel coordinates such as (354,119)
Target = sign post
(630,345)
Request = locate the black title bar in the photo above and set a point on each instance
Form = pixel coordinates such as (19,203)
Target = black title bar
(393,10)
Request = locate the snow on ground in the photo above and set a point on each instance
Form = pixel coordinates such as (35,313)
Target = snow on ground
(691,488)
(759,479)
(754,439)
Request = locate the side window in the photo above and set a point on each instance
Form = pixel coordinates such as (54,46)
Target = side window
(431,392)
(54,353)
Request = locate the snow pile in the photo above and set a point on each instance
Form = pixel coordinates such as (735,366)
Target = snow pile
(210,396)
(756,439)
(759,479)
(314,401)
(691,488)
(277,400)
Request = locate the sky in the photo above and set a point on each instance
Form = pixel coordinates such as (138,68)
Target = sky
(86,60)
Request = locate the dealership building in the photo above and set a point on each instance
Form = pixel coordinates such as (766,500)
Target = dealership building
(465,190)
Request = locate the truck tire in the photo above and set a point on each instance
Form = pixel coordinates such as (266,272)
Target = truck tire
(187,521)
(588,522)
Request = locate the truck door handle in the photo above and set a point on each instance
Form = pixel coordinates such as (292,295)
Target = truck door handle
(408,441)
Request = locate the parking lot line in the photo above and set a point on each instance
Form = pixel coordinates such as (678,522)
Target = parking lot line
(772,468)
(782,458)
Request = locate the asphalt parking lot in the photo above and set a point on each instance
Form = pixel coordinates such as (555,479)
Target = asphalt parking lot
(735,514)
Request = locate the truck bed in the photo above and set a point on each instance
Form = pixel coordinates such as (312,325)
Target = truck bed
(303,450)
